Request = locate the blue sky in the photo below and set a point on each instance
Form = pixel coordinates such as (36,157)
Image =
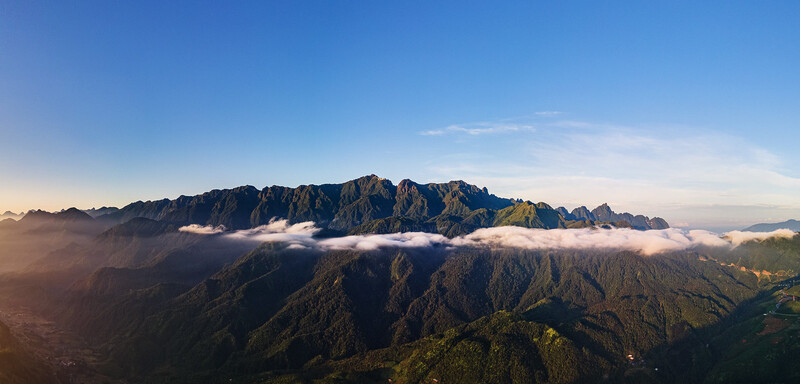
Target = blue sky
(684,110)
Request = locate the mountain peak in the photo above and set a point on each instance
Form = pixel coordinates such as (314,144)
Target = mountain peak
(453,208)
(36,214)
(73,214)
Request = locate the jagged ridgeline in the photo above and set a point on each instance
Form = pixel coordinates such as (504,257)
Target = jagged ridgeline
(371,204)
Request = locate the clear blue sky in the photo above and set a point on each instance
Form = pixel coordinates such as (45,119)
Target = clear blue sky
(685,110)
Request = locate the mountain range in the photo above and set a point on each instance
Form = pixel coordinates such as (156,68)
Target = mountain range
(794,225)
(95,212)
(156,304)
(11,215)
(369,204)
(604,213)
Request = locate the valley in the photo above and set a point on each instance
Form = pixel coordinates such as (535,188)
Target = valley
(64,353)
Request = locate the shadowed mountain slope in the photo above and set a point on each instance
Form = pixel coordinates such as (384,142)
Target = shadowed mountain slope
(278,309)
(17,366)
(369,204)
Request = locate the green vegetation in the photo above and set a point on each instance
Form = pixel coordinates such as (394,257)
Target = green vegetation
(758,349)
(163,306)
(499,348)
(777,255)
(467,315)
(789,308)
(529,215)
(435,314)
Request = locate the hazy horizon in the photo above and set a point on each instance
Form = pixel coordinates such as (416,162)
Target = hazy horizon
(720,229)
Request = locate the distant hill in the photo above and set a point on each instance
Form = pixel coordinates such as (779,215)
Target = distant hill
(70,220)
(11,215)
(95,212)
(794,225)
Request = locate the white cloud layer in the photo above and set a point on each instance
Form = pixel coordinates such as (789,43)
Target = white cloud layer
(301,236)
(739,237)
(202,230)
(298,235)
(647,242)
(392,240)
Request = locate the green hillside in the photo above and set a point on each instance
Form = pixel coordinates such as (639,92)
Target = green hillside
(277,310)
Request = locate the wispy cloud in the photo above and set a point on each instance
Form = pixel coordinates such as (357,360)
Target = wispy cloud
(547,113)
(657,170)
(482,128)
(435,132)
(301,236)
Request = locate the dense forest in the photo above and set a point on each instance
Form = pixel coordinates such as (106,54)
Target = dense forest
(144,302)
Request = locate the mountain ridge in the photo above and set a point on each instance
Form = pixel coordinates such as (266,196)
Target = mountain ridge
(360,206)
(792,224)
(369,204)
(604,213)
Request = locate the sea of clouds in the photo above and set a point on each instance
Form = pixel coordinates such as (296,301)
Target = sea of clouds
(301,236)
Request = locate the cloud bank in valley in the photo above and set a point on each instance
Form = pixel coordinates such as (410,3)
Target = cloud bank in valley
(301,236)
(298,235)
(202,229)
(647,242)
(739,237)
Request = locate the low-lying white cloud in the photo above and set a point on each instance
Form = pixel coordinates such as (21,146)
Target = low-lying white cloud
(301,236)
(202,229)
(647,242)
(739,237)
(392,240)
(298,235)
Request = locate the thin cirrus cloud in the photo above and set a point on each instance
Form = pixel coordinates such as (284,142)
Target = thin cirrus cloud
(509,125)
(475,129)
(673,172)
(301,236)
